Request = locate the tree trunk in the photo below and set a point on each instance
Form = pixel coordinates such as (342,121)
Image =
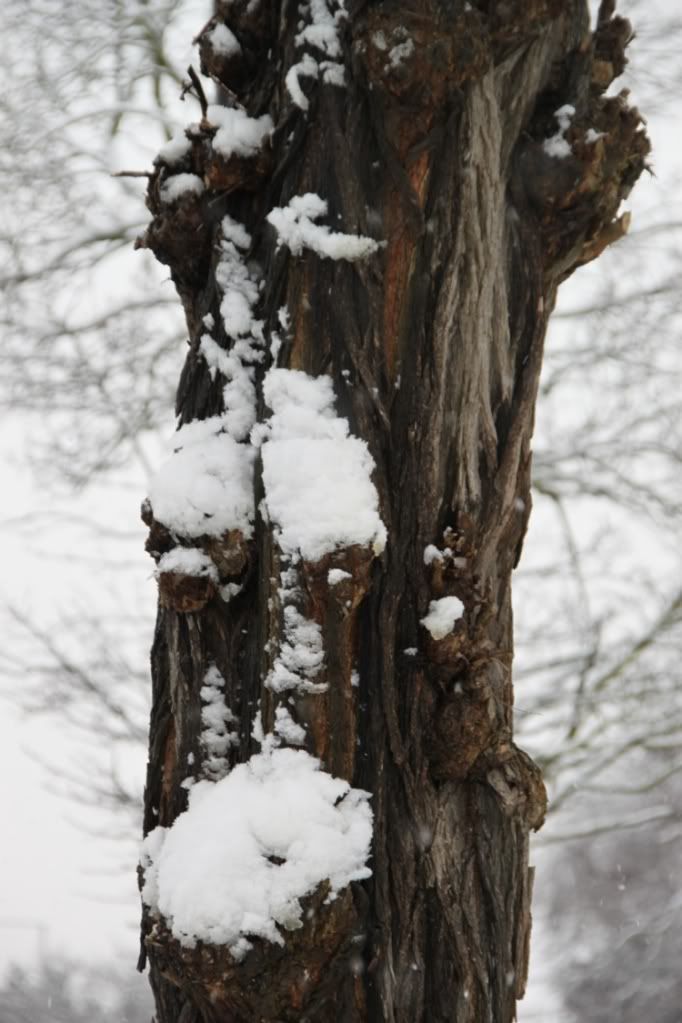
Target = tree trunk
(442,146)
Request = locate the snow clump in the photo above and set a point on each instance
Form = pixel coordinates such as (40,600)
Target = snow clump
(401,52)
(287,729)
(187,561)
(238,134)
(216,738)
(443,613)
(317,478)
(337,575)
(296,228)
(236,864)
(206,486)
(557,145)
(175,149)
(431,554)
(239,287)
(223,41)
(321,33)
(181,184)
(301,656)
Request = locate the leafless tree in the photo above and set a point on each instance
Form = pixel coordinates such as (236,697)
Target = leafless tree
(64,992)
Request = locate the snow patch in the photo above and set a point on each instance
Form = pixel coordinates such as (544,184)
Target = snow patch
(431,554)
(296,228)
(238,284)
(206,486)
(301,656)
(317,479)
(187,561)
(175,149)
(240,293)
(557,145)
(275,346)
(216,738)
(287,729)
(257,728)
(307,67)
(238,134)
(337,575)
(178,185)
(443,613)
(333,73)
(321,33)
(223,41)
(401,52)
(237,862)
(149,852)
(239,392)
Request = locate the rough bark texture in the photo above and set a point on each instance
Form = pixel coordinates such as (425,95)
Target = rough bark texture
(434,346)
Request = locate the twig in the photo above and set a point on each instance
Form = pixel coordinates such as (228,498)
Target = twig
(195,84)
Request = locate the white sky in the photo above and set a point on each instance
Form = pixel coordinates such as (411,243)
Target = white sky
(64,891)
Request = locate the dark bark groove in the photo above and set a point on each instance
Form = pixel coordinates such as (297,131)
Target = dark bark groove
(434,345)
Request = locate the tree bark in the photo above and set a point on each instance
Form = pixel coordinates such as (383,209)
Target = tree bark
(434,345)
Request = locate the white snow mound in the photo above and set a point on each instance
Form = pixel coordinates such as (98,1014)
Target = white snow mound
(206,486)
(318,479)
(443,613)
(216,875)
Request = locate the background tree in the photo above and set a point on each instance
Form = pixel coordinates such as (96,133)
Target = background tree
(60,992)
(86,91)
(91,347)
(471,162)
(628,918)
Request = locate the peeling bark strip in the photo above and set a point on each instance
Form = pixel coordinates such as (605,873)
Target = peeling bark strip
(386,205)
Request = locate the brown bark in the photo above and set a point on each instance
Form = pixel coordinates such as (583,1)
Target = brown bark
(435,347)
